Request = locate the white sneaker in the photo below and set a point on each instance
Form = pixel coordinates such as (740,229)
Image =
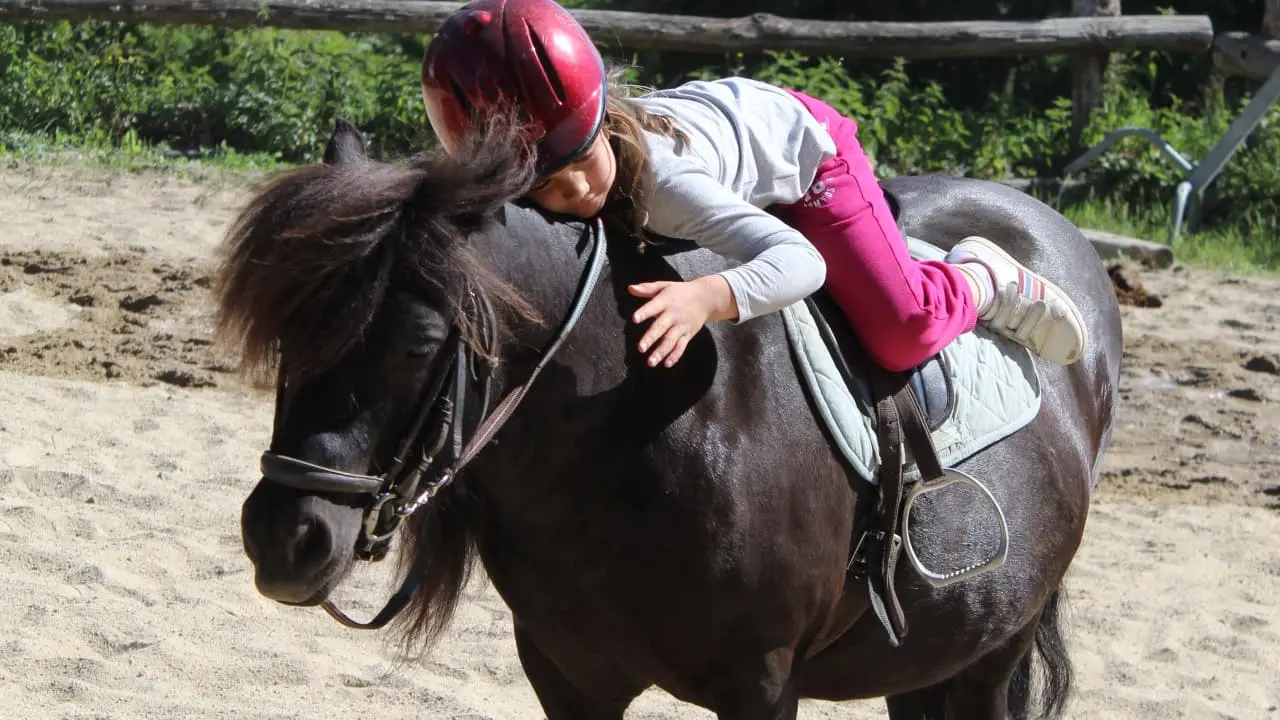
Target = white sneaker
(1025,307)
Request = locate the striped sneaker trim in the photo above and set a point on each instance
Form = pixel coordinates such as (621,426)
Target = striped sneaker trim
(1030,286)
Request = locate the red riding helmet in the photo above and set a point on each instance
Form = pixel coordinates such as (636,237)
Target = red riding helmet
(532,52)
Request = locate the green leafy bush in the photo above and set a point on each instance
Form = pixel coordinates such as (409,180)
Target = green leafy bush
(266,90)
(234,92)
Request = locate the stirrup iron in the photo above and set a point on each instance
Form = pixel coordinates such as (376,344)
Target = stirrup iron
(951,476)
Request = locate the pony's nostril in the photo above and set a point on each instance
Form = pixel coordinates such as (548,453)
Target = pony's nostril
(312,543)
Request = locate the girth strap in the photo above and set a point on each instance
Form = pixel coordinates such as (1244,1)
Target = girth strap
(899,418)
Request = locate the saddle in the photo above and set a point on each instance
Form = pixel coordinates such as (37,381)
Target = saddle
(907,407)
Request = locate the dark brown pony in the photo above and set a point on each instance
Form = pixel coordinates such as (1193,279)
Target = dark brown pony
(689,528)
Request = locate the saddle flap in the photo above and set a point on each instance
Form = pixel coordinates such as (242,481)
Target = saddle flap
(928,381)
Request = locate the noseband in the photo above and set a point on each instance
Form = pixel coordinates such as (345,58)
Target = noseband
(400,491)
(394,494)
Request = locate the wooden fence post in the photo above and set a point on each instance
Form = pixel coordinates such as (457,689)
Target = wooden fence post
(1087,70)
(1271,20)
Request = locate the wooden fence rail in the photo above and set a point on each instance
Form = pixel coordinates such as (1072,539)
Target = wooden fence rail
(1253,56)
(644,31)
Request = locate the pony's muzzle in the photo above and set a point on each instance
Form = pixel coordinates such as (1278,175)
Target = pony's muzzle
(299,557)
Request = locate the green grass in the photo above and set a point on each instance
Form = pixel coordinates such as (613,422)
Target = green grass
(1256,252)
(217,166)
(1229,249)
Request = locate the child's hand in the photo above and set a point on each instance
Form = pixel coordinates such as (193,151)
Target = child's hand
(679,310)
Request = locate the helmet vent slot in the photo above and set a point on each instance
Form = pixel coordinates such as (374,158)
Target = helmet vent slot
(549,67)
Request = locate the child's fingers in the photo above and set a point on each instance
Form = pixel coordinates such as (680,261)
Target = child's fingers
(655,332)
(650,309)
(678,351)
(647,289)
(670,340)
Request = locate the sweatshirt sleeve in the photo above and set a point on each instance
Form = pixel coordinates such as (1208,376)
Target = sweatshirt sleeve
(778,266)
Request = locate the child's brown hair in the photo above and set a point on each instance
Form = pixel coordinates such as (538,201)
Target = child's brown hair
(624,124)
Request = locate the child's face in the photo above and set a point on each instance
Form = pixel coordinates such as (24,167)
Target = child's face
(581,187)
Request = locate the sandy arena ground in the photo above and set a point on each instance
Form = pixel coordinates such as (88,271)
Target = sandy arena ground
(126,449)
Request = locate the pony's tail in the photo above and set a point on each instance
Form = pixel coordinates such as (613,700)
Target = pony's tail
(1056,674)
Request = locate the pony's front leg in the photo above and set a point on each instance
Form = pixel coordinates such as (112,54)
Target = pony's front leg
(602,695)
(758,690)
(783,708)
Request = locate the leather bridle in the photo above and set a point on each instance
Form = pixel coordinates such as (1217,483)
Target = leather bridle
(400,491)
(394,492)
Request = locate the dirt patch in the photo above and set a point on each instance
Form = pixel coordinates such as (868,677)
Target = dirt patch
(1199,416)
(135,319)
(1129,290)
(121,265)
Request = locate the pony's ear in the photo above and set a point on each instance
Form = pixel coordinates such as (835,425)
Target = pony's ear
(346,144)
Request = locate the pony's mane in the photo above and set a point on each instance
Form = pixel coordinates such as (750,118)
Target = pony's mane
(308,262)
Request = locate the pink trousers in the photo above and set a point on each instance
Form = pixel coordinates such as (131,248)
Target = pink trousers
(903,310)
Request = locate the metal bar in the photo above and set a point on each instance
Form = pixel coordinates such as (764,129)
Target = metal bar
(1199,175)
(1241,128)
(1116,136)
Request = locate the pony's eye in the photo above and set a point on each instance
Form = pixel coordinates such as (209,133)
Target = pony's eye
(427,344)
(425,348)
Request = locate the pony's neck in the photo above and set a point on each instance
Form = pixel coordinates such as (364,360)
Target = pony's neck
(549,465)
(592,441)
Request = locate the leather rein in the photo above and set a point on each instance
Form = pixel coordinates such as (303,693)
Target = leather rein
(400,492)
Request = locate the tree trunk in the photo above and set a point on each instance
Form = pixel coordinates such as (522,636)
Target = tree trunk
(1271,20)
(1087,70)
